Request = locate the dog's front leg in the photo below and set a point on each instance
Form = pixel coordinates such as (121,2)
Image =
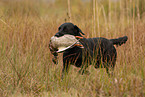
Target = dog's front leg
(65,68)
(87,59)
(84,67)
(83,70)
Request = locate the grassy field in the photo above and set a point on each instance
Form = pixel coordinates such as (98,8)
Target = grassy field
(26,68)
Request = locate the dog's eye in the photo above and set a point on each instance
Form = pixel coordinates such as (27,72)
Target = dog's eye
(59,28)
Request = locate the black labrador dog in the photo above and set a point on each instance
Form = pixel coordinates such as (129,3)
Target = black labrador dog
(99,51)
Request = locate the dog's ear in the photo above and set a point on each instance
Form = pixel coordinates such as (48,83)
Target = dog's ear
(79,30)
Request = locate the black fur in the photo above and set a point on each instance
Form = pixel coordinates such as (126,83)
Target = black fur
(99,51)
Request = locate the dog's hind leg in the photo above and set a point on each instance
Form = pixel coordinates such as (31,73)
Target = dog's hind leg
(109,65)
(109,59)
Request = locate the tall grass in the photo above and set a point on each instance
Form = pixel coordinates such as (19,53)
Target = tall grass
(26,68)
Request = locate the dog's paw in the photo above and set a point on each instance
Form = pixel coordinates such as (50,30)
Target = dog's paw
(84,72)
(87,72)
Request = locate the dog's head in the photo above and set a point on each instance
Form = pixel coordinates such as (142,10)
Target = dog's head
(69,28)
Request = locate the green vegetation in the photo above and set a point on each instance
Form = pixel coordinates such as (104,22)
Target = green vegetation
(26,69)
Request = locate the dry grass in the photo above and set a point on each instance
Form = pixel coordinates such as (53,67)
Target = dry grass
(26,69)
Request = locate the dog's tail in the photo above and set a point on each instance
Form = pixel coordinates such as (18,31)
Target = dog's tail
(119,41)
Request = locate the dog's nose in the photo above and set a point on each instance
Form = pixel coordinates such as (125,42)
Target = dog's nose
(57,35)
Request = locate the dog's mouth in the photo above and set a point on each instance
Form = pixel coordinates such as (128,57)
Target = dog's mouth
(60,44)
